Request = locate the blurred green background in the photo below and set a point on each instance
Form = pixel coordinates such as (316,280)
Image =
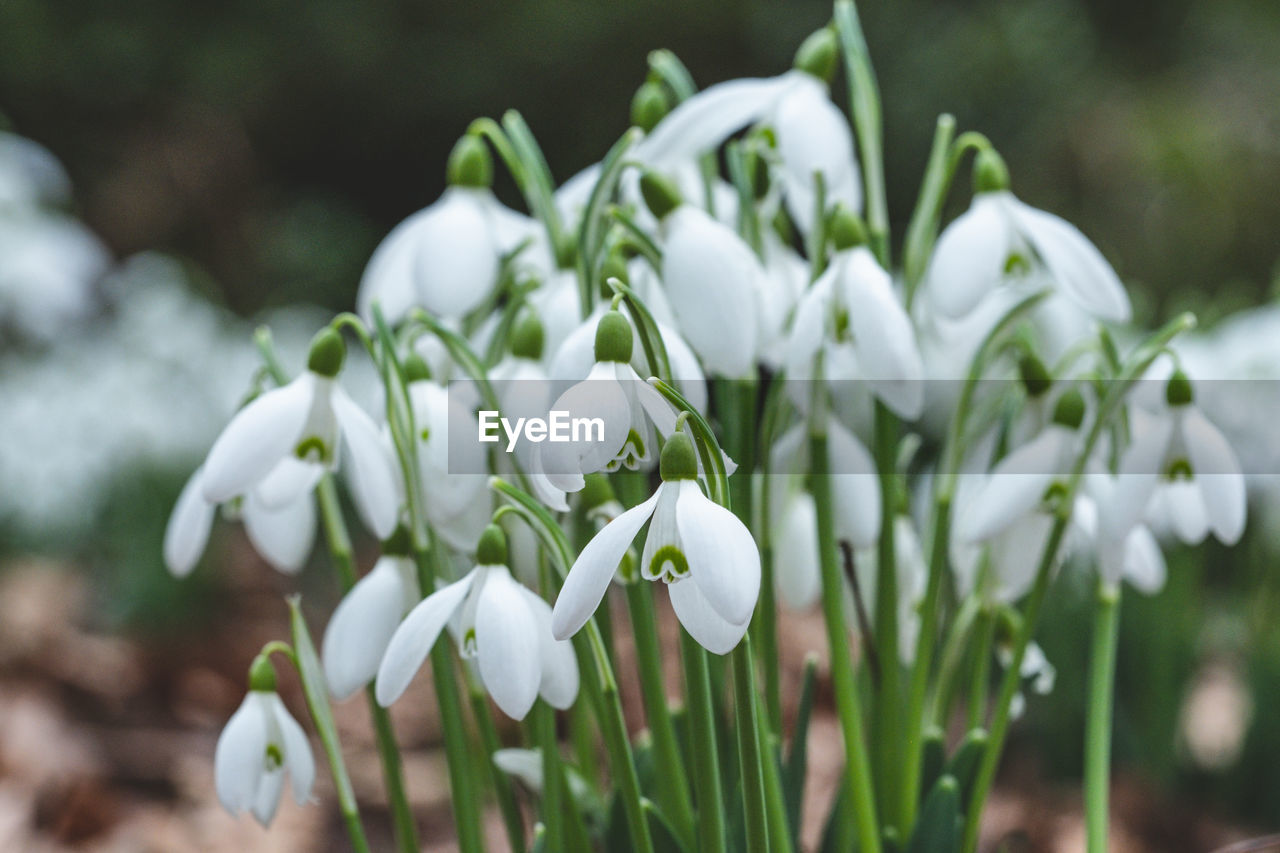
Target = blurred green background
(272,143)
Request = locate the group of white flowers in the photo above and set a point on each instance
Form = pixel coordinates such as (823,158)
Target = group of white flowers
(972,419)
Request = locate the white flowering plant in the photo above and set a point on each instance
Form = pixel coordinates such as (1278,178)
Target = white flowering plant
(783,406)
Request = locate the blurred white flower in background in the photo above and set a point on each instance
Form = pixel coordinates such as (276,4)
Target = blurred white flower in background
(106,371)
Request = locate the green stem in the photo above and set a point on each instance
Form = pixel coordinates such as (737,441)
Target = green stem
(768,620)
(1097,744)
(1009,685)
(864,102)
(978,685)
(749,758)
(544,724)
(919,688)
(600,682)
(339,542)
(842,670)
(702,738)
(673,794)
(952,663)
(489,741)
(888,701)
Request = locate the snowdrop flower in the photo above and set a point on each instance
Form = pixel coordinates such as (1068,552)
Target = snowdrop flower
(444,258)
(361,626)
(712,279)
(259,744)
(1000,235)
(452,473)
(305,419)
(615,394)
(855,486)
(811,133)
(1133,556)
(503,625)
(281,528)
(1012,510)
(852,315)
(1035,668)
(699,549)
(1181,458)
(29,173)
(796,573)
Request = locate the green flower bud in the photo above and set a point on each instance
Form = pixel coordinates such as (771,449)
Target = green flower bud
(847,230)
(527,336)
(327,353)
(597,491)
(262,675)
(679,461)
(614,339)
(1179,392)
(818,53)
(416,369)
(1069,411)
(649,105)
(990,174)
(660,195)
(470,164)
(399,543)
(491,550)
(1035,376)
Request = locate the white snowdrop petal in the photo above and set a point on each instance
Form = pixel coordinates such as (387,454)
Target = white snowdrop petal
(723,558)
(1136,479)
(663,534)
(507,645)
(1016,486)
(1217,473)
(283,536)
(709,117)
(711,630)
(266,800)
(412,641)
(298,759)
(1144,564)
(239,758)
(970,256)
(369,468)
(854,485)
(187,533)
(795,555)
(814,136)
(559,684)
(589,577)
(711,276)
(1187,511)
(289,480)
(361,627)
(884,336)
(456,263)
(256,439)
(388,279)
(1075,263)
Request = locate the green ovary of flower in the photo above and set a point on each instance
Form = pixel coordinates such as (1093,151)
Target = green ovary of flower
(667,555)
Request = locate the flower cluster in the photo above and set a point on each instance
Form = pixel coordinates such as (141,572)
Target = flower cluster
(777,402)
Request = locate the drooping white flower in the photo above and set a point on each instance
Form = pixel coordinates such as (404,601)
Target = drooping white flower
(503,625)
(307,419)
(261,742)
(364,621)
(1012,510)
(699,549)
(852,315)
(810,132)
(1178,456)
(712,280)
(444,258)
(630,411)
(855,486)
(282,527)
(1000,236)
(451,466)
